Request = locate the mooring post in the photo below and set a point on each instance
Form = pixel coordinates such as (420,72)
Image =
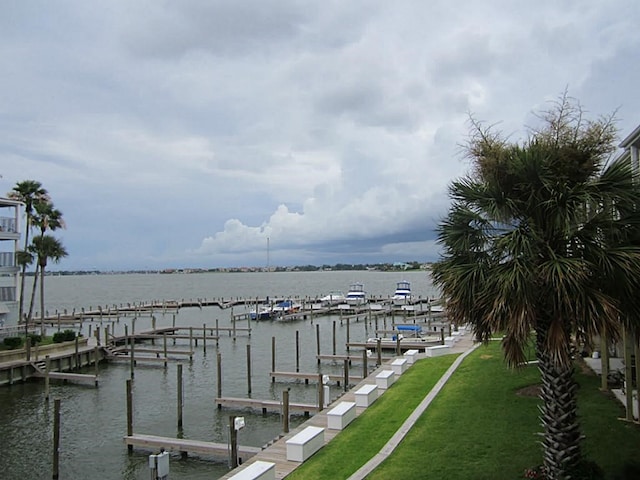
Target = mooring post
(233,320)
(285,411)
(398,349)
(96,356)
(129,414)
(249,369)
(297,351)
(318,342)
(204,338)
(273,357)
(28,346)
(320,393)
(233,439)
(348,335)
(46,377)
(56,439)
(179,379)
(365,367)
(77,355)
(334,337)
(219,375)
(133,353)
(346,375)
(379,350)
(190,339)
(217,333)
(441,335)
(164,348)
(173,325)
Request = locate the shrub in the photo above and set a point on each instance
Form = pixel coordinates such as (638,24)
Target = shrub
(35,338)
(13,342)
(64,336)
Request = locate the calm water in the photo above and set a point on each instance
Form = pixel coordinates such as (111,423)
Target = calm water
(93,420)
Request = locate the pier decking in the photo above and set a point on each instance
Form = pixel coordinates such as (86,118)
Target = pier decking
(185,446)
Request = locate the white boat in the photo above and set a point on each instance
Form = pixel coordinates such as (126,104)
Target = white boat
(333,298)
(402,295)
(356,294)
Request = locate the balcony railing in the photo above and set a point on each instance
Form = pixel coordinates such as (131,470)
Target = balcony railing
(7,294)
(7,224)
(7,259)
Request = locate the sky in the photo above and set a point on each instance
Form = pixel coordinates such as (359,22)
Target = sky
(205,133)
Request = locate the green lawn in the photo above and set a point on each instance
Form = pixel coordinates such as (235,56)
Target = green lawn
(368,433)
(477,427)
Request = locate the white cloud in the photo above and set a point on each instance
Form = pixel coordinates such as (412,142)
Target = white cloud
(185,134)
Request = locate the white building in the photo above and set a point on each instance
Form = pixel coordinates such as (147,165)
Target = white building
(631,146)
(9,270)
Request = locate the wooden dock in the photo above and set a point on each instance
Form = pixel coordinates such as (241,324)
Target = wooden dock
(186,446)
(313,377)
(74,377)
(264,405)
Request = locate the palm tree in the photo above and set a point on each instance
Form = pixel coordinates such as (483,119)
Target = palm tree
(46,217)
(46,247)
(28,192)
(537,245)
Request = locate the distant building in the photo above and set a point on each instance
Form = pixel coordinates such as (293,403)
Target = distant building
(9,270)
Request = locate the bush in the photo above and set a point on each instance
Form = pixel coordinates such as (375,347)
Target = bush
(64,336)
(13,342)
(35,338)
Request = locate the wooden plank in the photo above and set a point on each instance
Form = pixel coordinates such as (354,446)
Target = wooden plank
(264,405)
(154,442)
(79,377)
(311,376)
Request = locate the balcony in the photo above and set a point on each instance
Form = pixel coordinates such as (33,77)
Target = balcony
(7,294)
(8,229)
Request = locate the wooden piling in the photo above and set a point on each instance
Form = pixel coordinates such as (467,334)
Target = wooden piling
(204,338)
(233,439)
(129,414)
(379,350)
(318,342)
(249,369)
(365,367)
(46,377)
(346,375)
(164,348)
(285,411)
(348,335)
(334,337)
(96,357)
(273,357)
(217,333)
(320,393)
(179,379)
(219,375)
(297,351)
(56,439)
(76,355)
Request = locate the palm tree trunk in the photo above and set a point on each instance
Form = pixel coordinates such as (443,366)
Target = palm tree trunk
(42,299)
(33,292)
(558,414)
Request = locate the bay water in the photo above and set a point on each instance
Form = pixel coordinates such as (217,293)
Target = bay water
(93,420)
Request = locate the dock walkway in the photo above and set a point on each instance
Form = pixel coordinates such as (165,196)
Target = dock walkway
(277,452)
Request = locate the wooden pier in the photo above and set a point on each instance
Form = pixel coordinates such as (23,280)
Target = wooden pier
(313,377)
(185,446)
(264,405)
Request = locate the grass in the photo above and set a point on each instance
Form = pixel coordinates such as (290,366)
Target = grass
(368,433)
(477,427)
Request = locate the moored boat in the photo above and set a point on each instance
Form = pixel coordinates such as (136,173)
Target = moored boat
(333,298)
(402,295)
(286,307)
(356,294)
